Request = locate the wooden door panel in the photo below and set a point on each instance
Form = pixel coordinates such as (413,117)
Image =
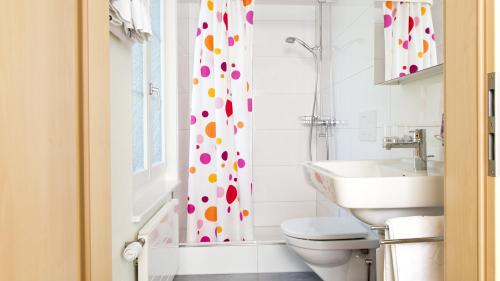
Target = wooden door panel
(40,141)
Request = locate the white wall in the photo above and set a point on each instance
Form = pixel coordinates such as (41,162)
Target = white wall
(121,157)
(417,104)
(283,89)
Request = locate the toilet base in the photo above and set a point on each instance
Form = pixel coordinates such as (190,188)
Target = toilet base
(356,269)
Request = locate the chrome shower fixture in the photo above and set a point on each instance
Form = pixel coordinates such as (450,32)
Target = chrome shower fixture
(292,40)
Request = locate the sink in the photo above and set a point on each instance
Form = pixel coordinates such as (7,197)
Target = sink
(376,190)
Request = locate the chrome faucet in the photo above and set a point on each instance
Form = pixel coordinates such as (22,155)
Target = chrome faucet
(416,141)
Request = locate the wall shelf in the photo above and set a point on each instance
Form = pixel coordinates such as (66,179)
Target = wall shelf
(425,73)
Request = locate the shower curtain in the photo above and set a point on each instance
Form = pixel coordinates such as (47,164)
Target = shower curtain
(410,41)
(219,203)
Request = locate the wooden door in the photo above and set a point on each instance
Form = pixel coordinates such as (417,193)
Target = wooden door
(50,143)
(469,192)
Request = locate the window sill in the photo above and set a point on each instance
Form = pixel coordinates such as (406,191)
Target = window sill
(149,198)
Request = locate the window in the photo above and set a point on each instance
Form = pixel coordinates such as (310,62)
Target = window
(148,114)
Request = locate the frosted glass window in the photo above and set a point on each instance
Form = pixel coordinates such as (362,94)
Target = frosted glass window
(138,109)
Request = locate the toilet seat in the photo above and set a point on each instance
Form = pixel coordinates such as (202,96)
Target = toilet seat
(324,229)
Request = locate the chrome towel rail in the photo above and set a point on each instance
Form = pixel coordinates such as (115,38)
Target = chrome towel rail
(405,240)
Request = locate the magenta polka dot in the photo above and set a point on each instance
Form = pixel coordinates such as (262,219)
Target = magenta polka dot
(190,208)
(405,44)
(198,32)
(205,239)
(224,155)
(204,199)
(193,119)
(428,30)
(387,21)
(205,158)
(241,163)
(205,25)
(223,66)
(204,113)
(236,75)
(250,17)
(205,71)
(230,41)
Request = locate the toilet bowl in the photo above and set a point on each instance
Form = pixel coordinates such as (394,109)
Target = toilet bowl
(336,249)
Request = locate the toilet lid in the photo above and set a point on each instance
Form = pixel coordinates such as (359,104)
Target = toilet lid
(324,229)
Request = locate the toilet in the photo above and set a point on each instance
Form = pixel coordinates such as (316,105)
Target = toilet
(335,248)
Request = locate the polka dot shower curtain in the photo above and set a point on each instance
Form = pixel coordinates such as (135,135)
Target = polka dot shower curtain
(410,43)
(220,162)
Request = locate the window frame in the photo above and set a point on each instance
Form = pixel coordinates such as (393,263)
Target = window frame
(153,171)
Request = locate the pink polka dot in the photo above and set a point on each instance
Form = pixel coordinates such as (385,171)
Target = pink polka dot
(198,32)
(236,75)
(193,119)
(199,224)
(405,44)
(205,158)
(190,208)
(205,71)
(241,163)
(219,16)
(220,192)
(219,102)
(199,139)
(230,41)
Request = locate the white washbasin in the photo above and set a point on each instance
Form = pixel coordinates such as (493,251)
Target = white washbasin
(376,190)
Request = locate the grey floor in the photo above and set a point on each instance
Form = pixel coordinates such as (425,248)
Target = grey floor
(292,276)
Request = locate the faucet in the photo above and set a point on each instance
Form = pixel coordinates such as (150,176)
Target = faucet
(416,141)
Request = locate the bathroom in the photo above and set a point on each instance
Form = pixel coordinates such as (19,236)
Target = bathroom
(357,110)
(257,140)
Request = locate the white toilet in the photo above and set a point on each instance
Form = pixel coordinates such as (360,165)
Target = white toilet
(336,249)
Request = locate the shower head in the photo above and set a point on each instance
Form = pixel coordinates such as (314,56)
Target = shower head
(292,40)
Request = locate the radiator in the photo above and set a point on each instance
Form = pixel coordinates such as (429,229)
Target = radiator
(159,258)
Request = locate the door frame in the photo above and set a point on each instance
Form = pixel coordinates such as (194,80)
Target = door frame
(95,150)
(469,204)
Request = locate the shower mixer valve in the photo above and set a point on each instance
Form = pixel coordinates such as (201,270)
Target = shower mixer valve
(323,123)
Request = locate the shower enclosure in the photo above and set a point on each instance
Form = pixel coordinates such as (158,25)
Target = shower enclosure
(293,110)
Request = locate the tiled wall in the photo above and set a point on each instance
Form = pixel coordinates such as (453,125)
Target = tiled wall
(283,89)
(418,104)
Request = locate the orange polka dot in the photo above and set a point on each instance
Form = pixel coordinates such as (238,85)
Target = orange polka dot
(423,10)
(246,213)
(210,129)
(195,81)
(240,125)
(235,166)
(420,54)
(222,76)
(400,41)
(236,38)
(426,46)
(248,87)
(218,140)
(219,229)
(222,165)
(217,51)
(212,178)
(210,5)
(211,213)
(192,170)
(247,2)
(209,42)
(388,4)
(211,92)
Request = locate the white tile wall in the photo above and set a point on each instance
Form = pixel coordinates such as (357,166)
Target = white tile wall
(414,105)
